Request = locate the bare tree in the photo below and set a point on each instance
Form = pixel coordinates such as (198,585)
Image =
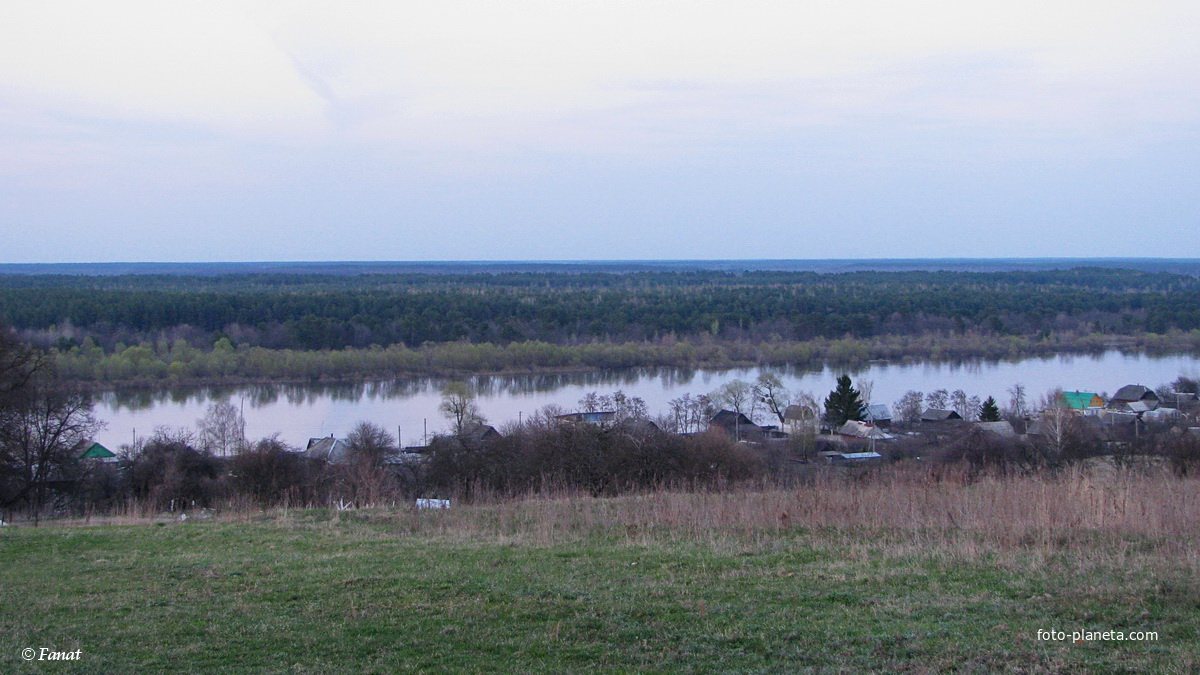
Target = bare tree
(961,404)
(19,363)
(370,443)
(1018,406)
(591,402)
(689,414)
(771,393)
(222,429)
(910,406)
(458,405)
(865,388)
(41,435)
(937,399)
(738,396)
(1060,434)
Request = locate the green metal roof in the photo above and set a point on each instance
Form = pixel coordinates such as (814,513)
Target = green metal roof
(97,451)
(1079,400)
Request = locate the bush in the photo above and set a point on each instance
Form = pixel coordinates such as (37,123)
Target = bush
(169,472)
(270,472)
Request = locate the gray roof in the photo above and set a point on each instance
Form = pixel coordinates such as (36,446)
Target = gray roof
(478,432)
(939,415)
(328,449)
(799,412)
(1133,392)
(593,417)
(729,419)
(863,430)
(879,412)
(1001,428)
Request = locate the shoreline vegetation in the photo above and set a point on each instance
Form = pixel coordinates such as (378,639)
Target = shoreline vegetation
(181,364)
(235,328)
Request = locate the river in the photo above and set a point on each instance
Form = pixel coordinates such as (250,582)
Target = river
(410,407)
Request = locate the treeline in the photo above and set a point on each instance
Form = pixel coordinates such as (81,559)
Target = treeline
(179,361)
(315,312)
(176,470)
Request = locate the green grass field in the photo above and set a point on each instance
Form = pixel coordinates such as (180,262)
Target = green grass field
(495,588)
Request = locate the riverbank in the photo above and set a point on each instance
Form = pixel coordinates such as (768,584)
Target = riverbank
(226,365)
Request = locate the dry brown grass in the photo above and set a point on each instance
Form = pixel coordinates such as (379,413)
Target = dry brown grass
(1110,516)
(1098,511)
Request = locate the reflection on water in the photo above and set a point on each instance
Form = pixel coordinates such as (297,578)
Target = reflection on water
(256,396)
(487,386)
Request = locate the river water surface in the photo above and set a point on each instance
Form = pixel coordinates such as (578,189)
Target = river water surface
(410,407)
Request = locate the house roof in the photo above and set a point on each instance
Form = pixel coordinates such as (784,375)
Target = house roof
(861,455)
(834,457)
(1080,400)
(595,417)
(637,425)
(1162,413)
(329,449)
(879,412)
(1133,392)
(939,415)
(863,430)
(1001,428)
(478,432)
(728,419)
(97,451)
(799,413)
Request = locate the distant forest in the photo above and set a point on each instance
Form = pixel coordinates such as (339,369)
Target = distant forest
(315,312)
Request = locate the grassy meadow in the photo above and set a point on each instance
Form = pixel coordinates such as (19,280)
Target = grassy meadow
(902,573)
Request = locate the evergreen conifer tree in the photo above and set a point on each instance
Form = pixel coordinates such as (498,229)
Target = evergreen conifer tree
(989,411)
(844,403)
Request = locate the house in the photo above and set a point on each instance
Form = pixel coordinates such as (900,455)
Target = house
(478,433)
(879,415)
(737,425)
(1087,402)
(798,420)
(1133,393)
(1180,400)
(1162,415)
(939,415)
(857,430)
(410,455)
(601,417)
(1002,428)
(99,453)
(329,449)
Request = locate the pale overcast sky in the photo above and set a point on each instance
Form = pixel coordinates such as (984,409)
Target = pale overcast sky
(485,130)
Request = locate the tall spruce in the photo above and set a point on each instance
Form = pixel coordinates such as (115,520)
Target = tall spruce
(989,411)
(844,403)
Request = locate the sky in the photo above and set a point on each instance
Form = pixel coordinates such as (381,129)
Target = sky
(174,130)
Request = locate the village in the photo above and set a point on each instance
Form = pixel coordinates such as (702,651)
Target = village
(939,427)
